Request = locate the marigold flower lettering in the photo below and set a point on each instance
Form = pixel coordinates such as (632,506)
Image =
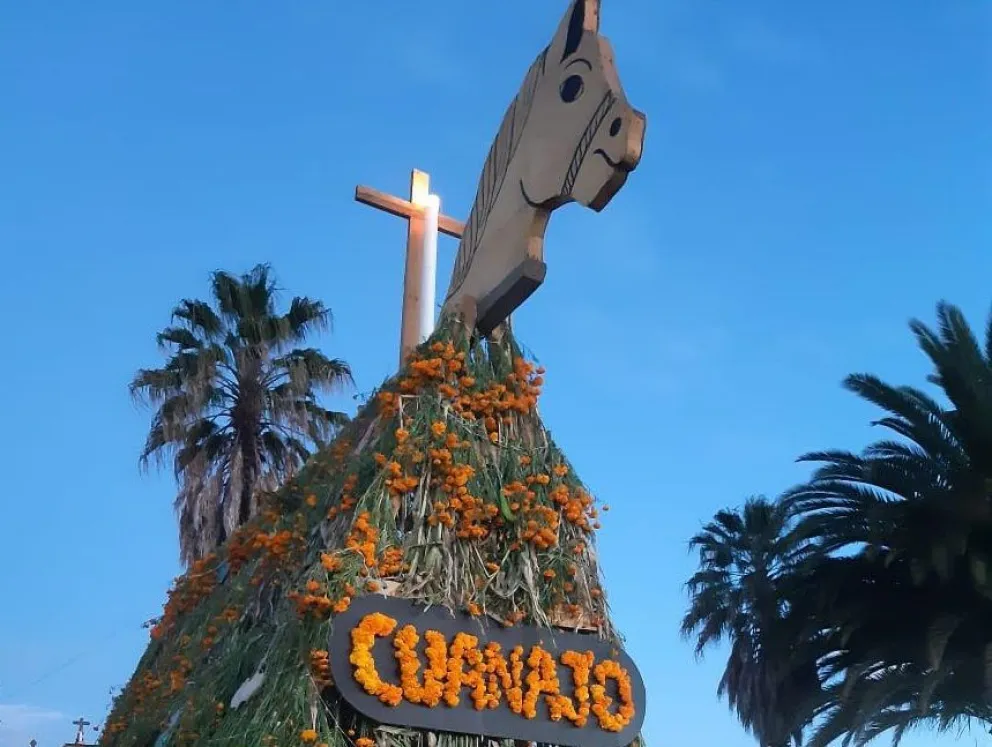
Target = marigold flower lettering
(438,672)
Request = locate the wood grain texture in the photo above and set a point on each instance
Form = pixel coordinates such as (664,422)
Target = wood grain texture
(569,135)
(405,209)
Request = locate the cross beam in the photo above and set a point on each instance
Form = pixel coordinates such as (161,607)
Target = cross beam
(421,254)
(405,209)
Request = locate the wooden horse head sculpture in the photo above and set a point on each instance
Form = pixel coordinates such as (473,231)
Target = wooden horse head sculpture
(568,136)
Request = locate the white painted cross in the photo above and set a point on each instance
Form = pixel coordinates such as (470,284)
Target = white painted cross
(81,724)
(424,222)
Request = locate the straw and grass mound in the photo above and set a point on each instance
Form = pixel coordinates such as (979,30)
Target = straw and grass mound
(446,488)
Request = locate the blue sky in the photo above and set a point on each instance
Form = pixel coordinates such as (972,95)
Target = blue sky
(814,175)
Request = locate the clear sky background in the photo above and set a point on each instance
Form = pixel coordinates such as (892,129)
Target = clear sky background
(814,175)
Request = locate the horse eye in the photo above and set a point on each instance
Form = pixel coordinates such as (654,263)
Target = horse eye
(571,89)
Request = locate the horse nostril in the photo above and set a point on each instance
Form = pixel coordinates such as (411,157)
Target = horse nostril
(615,126)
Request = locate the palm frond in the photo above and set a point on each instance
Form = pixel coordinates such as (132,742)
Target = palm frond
(237,412)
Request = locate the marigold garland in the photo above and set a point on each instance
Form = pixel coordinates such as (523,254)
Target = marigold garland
(363,638)
(559,705)
(489,676)
(611,670)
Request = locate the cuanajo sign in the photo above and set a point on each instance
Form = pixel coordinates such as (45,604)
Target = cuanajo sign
(404,664)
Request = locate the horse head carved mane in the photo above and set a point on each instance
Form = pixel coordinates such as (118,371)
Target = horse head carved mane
(569,135)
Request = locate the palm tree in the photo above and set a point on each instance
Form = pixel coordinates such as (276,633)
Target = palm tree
(747,559)
(900,593)
(237,410)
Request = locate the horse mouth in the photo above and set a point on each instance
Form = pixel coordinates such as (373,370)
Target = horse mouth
(621,165)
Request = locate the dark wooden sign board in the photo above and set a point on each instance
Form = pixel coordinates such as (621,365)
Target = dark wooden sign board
(499,722)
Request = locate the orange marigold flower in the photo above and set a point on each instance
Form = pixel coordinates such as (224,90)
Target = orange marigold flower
(308,735)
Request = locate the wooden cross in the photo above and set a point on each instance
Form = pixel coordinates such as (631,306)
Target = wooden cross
(414,276)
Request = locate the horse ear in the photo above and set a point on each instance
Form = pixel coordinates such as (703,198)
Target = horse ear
(581,17)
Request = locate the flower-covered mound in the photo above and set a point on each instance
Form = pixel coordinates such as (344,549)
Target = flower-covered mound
(445,488)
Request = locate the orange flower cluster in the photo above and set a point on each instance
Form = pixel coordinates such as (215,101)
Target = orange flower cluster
(363,539)
(177,676)
(364,742)
(445,674)
(471,516)
(319,606)
(494,404)
(308,736)
(540,522)
(542,679)
(362,639)
(442,369)
(398,483)
(391,562)
(389,405)
(446,370)
(560,705)
(348,499)
(518,393)
(186,593)
(610,670)
(320,667)
(405,645)
(465,650)
(513,618)
(316,602)
(143,689)
(278,546)
(208,640)
(241,547)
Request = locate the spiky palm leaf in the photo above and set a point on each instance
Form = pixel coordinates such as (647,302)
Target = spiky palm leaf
(901,595)
(237,409)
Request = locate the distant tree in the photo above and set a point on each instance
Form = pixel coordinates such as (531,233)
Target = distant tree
(237,410)
(748,559)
